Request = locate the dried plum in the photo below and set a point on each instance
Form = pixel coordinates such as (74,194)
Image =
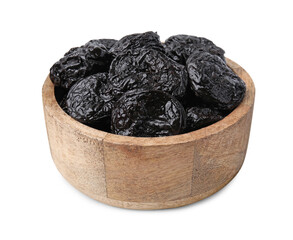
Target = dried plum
(80,62)
(199,117)
(180,47)
(149,69)
(134,42)
(84,102)
(145,113)
(214,82)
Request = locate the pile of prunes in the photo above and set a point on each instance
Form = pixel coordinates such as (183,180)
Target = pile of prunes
(139,86)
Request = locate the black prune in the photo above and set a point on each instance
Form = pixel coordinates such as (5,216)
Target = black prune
(134,42)
(214,82)
(180,47)
(84,102)
(80,62)
(148,69)
(145,113)
(199,117)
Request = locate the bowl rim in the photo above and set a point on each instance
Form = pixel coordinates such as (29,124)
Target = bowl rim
(56,112)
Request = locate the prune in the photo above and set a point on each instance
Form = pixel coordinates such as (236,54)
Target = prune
(80,62)
(147,113)
(199,117)
(134,42)
(214,82)
(180,47)
(84,102)
(148,69)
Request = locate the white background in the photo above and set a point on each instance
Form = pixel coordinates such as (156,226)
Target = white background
(37,203)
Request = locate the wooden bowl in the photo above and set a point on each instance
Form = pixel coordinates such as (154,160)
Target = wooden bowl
(149,173)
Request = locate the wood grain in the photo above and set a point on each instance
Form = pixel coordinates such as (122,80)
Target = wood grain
(149,173)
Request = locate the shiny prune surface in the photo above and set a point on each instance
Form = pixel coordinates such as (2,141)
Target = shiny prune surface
(147,113)
(199,117)
(149,69)
(180,47)
(80,62)
(214,82)
(135,42)
(84,102)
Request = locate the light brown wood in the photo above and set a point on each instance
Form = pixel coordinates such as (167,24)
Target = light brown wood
(149,173)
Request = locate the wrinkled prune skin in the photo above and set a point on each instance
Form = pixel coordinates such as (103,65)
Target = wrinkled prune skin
(148,69)
(80,62)
(116,86)
(135,42)
(147,113)
(84,102)
(214,82)
(180,47)
(108,43)
(199,117)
